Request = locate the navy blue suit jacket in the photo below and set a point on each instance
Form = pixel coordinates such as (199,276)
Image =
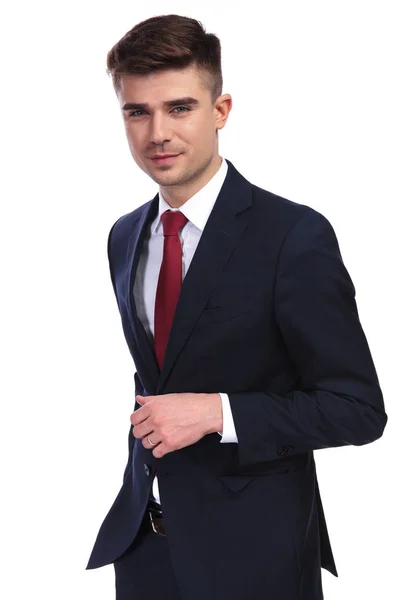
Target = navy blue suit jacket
(267,313)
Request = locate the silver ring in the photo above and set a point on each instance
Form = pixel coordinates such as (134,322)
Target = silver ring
(150,442)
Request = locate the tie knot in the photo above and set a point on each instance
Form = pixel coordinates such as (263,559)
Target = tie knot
(173,221)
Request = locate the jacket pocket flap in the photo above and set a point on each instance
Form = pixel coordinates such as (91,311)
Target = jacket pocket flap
(236,482)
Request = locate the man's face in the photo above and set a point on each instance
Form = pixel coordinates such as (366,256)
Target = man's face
(185,127)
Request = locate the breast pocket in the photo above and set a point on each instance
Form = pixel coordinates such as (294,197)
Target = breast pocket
(215,314)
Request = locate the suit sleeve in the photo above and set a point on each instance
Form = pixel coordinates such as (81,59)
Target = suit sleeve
(337,400)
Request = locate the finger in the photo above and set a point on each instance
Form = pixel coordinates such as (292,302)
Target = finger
(160,450)
(155,439)
(140,431)
(143,399)
(140,415)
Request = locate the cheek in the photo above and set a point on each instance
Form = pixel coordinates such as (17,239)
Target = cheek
(134,132)
(134,142)
(201,135)
(197,128)
(136,153)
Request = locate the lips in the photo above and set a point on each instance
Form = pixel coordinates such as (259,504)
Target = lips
(164,156)
(164,159)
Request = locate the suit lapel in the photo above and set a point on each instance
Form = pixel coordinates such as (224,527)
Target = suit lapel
(145,347)
(219,238)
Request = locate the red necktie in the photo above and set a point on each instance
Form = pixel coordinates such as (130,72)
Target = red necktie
(169,281)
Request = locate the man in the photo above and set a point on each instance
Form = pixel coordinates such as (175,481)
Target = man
(241,320)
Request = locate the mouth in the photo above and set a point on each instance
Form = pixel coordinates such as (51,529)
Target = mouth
(165,160)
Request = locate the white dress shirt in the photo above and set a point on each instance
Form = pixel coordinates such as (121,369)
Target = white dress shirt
(197,210)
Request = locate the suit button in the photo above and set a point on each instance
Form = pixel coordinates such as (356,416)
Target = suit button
(146,469)
(285,450)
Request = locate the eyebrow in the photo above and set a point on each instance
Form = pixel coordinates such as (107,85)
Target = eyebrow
(169,103)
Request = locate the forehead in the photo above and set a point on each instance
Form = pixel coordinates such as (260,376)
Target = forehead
(158,87)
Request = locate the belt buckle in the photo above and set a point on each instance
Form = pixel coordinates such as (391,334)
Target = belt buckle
(154,525)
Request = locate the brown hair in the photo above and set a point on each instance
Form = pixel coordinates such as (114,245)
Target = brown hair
(168,42)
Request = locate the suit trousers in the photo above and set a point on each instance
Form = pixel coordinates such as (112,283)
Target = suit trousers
(144,571)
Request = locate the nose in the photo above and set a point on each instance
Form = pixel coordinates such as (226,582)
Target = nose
(159,131)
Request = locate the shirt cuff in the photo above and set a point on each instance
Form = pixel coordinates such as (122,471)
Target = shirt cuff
(229,432)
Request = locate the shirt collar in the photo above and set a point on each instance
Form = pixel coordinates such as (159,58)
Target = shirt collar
(198,208)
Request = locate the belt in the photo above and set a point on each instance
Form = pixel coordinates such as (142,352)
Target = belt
(157,521)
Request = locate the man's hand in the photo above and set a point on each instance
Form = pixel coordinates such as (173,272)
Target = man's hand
(174,421)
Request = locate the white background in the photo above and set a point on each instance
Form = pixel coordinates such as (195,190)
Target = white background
(315,119)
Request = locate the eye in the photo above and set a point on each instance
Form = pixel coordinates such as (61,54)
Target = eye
(133,112)
(185,107)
